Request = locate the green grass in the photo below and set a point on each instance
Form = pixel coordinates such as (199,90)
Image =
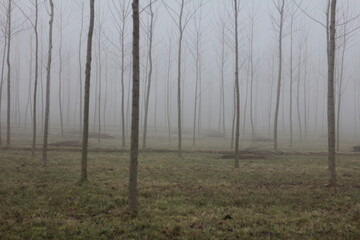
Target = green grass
(199,196)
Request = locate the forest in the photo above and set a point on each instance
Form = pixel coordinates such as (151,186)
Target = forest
(179,119)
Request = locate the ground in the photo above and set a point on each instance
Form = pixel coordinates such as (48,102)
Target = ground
(198,196)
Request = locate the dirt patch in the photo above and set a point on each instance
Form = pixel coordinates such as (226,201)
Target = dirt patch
(66,144)
(102,135)
(243,156)
(93,134)
(356,148)
(262,140)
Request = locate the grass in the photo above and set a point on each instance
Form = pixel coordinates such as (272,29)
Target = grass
(199,196)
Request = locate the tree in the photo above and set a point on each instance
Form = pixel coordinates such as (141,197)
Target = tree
(150,59)
(48,78)
(280,24)
(123,10)
(80,65)
(3,68)
(134,148)
(331,45)
(197,57)
(83,177)
(237,88)
(181,24)
(36,74)
(9,72)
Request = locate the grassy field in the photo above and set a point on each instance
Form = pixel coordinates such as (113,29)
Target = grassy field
(199,196)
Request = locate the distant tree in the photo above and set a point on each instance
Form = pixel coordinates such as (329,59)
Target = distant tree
(120,17)
(35,26)
(4,29)
(8,72)
(48,78)
(181,21)
(237,87)
(198,33)
(85,132)
(280,25)
(134,148)
(80,66)
(150,34)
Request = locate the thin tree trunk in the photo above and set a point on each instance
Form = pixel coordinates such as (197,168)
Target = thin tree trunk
(48,78)
(180,25)
(134,149)
(281,12)
(80,68)
(168,90)
(291,80)
(8,74)
(237,88)
(298,95)
(331,101)
(36,76)
(2,78)
(60,76)
(151,29)
(252,73)
(340,91)
(123,130)
(85,132)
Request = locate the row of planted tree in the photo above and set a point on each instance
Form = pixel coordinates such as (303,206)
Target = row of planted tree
(181,15)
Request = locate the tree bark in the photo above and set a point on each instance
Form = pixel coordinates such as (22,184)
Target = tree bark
(85,132)
(80,68)
(281,12)
(36,76)
(331,101)
(237,88)
(151,29)
(48,78)
(134,149)
(8,74)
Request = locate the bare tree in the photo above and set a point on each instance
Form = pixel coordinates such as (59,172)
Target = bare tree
(85,132)
(61,28)
(134,148)
(3,67)
(150,73)
(48,78)
(80,65)
(237,88)
(181,24)
(8,72)
(331,45)
(279,25)
(197,57)
(291,78)
(36,74)
(222,65)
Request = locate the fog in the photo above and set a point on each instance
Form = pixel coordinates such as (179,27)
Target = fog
(309,66)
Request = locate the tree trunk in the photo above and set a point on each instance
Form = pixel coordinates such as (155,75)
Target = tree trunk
(60,76)
(134,149)
(237,88)
(85,132)
(180,25)
(278,92)
(149,75)
(8,73)
(291,80)
(48,77)
(331,101)
(36,76)
(2,78)
(80,67)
